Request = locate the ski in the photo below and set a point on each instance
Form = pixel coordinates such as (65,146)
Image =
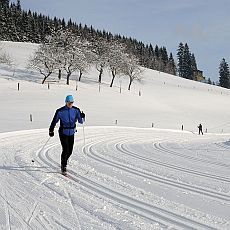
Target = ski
(64,174)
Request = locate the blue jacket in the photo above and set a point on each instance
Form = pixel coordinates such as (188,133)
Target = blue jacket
(68,118)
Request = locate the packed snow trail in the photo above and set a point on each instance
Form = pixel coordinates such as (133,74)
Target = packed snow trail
(118,178)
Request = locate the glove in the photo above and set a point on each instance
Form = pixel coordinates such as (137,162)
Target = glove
(51,133)
(82,115)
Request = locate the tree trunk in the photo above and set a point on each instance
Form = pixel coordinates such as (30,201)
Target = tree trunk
(67,78)
(130,83)
(111,85)
(80,75)
(59,74)
(100,75)
(46,76)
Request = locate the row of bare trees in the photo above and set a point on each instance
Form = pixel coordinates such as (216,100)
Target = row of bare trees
(65,52)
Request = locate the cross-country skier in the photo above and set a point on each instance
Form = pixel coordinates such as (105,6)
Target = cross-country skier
(200,129)
(68,116)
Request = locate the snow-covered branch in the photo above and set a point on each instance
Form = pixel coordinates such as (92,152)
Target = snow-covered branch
(43,61)
(131,69)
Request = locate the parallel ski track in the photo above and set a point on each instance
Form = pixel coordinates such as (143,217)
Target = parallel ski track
(161,148)
(122,149)
(10,210)
(199,190)
(223,146)
(30,147)
(37,184)
(138,207)
(44,160)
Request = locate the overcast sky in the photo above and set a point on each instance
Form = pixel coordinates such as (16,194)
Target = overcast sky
(203,24)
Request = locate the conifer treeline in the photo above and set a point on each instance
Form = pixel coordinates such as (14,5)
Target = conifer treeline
(186,62)
(19,25)
(224,72)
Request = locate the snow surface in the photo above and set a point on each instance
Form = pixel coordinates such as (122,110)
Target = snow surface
(125,176)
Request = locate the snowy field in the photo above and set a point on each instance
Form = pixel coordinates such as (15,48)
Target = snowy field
(124,176)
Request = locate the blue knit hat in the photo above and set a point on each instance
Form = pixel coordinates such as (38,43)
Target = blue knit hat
(69,98)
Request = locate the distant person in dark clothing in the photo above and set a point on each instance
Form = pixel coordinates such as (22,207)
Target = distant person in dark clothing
(200,129)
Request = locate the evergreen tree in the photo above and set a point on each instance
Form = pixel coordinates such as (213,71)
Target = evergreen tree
(224,79)
(172,65)
(18,5)
(180,58)
(186,62)
(4,3)
(157,51)
(193,62)
(151,51)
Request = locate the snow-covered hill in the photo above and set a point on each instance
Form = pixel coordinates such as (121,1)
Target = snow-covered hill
(124,176)
(166,101)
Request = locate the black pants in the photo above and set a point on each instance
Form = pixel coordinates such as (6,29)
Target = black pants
(67,148)
(200,131)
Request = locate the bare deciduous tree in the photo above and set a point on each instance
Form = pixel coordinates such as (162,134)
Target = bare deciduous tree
(116,58)
(61,51)
(100,48)
(131,69)
(43,61)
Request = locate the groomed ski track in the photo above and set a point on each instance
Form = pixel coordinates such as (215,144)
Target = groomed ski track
(122,178)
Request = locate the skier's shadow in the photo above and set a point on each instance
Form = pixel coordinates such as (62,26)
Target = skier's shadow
(26,168)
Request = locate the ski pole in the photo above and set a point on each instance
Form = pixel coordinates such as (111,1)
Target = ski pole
(42,148)
(83,130)
(84,140)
